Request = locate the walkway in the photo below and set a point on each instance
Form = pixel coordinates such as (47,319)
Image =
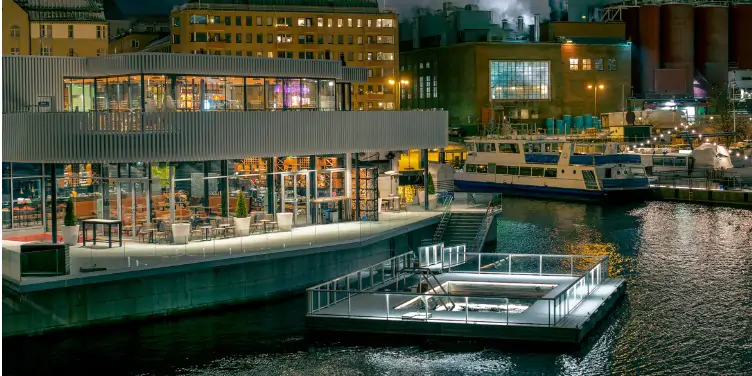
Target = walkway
(140,255)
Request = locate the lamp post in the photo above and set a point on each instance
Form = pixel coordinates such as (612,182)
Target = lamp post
(595,89)
(398,85)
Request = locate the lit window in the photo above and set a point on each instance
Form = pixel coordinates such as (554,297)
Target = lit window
(599,64)
(368,23)
(387,22)
(587,64)
(520,80)
(360,22)
(349,22)
(329,22)
(574,64)
(198,20)
(378,22)
(301,21)
(612,64)
(370,56)
(339,22)
(320,22)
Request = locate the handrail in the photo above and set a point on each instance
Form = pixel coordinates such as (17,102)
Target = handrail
(406,255)
(444,222)
(480,236)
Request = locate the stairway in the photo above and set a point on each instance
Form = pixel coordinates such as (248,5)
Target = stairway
(462,228)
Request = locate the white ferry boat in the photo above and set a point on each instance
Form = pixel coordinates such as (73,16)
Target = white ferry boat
(551,167)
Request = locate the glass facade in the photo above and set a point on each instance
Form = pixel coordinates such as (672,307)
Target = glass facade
(199,93)
(139,193)
(520,80)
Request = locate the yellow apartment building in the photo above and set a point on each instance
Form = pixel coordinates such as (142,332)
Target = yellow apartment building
(54,28)
(357,32)
(15,29)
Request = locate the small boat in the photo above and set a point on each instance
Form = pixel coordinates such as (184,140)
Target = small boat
(551,167)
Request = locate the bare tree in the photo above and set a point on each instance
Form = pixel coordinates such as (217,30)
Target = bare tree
(727,119)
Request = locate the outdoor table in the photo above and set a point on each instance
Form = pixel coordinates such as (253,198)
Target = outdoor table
(221,230)
(104,222)
(264,222)
(151,232)
(207,234)
(394,202)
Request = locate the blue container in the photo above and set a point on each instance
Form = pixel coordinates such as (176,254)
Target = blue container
(587,121)
(567,123)
(550,126)
(597,123)
(578,124)
(559,126)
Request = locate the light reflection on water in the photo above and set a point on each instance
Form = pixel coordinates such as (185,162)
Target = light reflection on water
(688,311)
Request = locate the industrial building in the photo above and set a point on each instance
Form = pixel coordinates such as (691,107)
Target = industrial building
(459,60)
(356,32)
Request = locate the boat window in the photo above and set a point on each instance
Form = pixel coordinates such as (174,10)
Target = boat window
(501,169)
(470,168)
(548,148)
(509,148)
(524,171)
(637,171)
(471,146)
(513,170)
(536,148)
(657,161)
(550,173)
(537,171)
(486,147)
(482,169)
(680,162)
(608,173)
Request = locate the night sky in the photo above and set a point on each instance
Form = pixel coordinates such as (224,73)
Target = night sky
(504,8)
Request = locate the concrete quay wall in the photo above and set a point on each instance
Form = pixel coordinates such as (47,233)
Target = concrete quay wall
(711,196)
(183,288)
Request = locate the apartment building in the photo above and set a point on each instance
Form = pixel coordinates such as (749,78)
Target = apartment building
(54,28)
(356,32)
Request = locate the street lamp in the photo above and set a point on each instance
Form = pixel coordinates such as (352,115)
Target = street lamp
(399,85)
(595,89)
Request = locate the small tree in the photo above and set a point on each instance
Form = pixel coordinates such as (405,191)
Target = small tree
(431,188)
(241,211)
(70,214)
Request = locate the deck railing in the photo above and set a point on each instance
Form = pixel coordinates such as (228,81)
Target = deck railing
(390,300)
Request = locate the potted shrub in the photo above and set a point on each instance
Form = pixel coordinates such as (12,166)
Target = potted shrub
(242,220)
(181,232)
(432,196)
(70,226)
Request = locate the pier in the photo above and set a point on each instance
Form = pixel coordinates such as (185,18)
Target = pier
(448,292)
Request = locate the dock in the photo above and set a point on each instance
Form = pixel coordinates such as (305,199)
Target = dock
(448,292)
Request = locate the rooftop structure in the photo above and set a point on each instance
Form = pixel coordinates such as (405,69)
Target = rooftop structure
(63,10)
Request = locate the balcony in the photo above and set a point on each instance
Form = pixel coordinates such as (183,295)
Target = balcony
(185,136)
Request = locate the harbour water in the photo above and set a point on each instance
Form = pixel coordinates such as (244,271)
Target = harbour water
(688,311)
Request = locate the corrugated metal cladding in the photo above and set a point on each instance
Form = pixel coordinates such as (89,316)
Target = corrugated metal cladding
(195,136)
(27,77)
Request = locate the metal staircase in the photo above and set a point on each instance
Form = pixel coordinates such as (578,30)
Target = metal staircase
(446,215)
(462,228)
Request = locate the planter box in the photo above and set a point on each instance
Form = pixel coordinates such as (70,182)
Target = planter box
(243,226)
(70,235)
(181,232)
(284,221)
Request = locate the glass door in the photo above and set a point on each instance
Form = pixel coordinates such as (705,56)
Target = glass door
(293,197)
(130,204)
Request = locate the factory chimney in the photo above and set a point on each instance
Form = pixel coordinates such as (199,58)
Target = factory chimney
(536,28)
(520,25)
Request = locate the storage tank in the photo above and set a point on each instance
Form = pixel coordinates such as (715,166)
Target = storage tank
(741,21)
(712,42)
(578,125)
(677,40)
(587,121)
(567,123)
(631,17)
(550,126)
(559,126)
(650,45)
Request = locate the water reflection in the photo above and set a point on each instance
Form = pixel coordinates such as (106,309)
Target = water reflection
(687,311)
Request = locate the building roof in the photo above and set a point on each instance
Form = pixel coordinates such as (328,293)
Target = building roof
(342,6)
(160,42)
(63,10)
(112,11)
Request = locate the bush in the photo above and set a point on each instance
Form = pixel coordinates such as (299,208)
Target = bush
(70,214)
(431,188)
(241,211)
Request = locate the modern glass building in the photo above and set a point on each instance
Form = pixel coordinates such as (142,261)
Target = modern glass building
(147,138)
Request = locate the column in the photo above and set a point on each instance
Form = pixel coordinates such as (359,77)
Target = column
(53,200)
(442,156)
(312,191)
(171,169)
(424,159)
(269,186)
(357,187)
(105,190)
(348,174)
(206,182)
(224,185)
(148,194)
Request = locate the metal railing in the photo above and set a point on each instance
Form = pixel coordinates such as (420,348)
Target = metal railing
(446,214)
(494,205)
(703,179)
(429,306)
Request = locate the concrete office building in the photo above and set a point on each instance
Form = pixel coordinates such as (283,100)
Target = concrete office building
(357,33)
